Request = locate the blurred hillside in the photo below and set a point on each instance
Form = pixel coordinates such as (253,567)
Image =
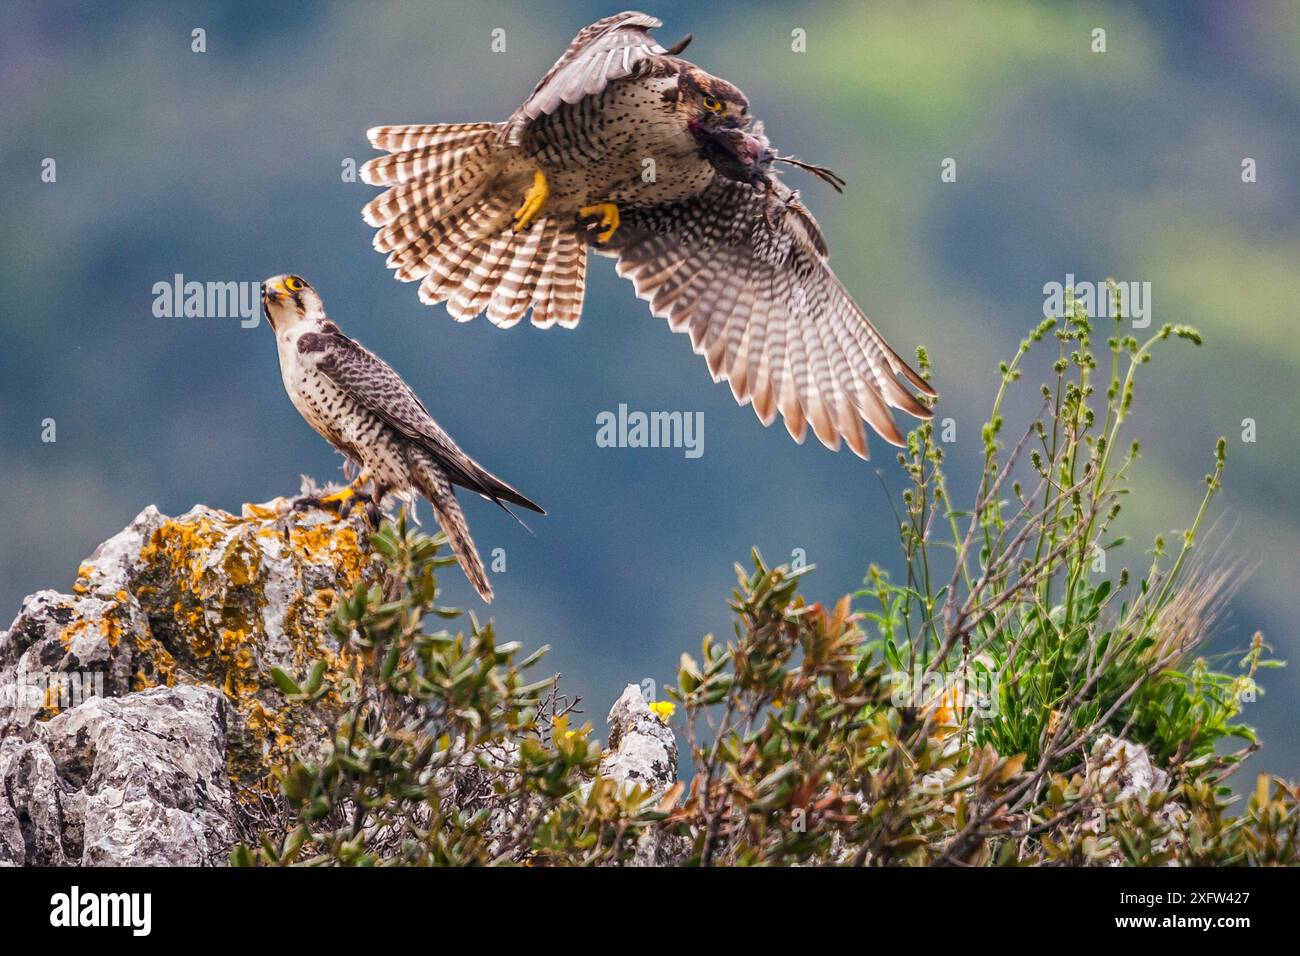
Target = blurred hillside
(225,166)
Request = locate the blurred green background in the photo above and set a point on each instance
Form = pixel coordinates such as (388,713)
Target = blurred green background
(226,165)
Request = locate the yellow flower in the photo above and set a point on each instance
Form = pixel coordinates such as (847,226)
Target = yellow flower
(663,709)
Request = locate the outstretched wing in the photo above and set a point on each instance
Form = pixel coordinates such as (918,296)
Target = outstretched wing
(371,382)
(761,304)
(608,50)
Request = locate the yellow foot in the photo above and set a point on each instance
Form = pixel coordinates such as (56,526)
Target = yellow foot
(609,220)
(534,200)
(341,501)
(340,496)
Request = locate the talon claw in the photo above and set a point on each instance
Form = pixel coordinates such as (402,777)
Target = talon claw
(609,219)
(340,502)
(534,200)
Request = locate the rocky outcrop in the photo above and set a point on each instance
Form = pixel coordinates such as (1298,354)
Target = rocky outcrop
(642,749)
(1123,762)
(139,780)
(138,711)
(138,715)
(643,752)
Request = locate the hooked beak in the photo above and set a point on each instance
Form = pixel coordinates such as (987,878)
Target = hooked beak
(270,294)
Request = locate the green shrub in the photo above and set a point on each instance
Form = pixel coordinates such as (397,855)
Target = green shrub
(1008,703)
(444,754)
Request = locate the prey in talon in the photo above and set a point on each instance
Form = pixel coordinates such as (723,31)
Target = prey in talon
(628,150)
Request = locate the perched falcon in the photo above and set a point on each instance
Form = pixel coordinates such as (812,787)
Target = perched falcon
(364,409)
(627,148)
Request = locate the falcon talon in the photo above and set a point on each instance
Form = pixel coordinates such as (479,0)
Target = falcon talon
(534,200)
(309,502)
(340,497)
(713,207)
(609,219)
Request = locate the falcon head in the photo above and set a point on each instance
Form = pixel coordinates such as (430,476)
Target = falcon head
(709,104)
(717,114)
(288,299)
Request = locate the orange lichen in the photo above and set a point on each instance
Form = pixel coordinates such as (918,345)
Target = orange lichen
(212,569)
(159,658)
(50,703)
(74,630)
(337,546)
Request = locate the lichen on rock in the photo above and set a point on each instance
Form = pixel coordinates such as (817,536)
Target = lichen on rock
(642,749)
(203,600)
(229,598)
(140,718)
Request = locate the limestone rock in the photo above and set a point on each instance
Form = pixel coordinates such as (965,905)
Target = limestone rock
(139,780)
(1127,764)
(643,751)
(138,714)
(135,710)
(642,748)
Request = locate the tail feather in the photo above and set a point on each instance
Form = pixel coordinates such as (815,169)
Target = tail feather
(476,291)
(451,263)
(566,267)
(445,220)
(410,210)
(426,162)
(452,181)
(446,261)
(514,293)
(394,139)
(412,235)
(546,278)
(434,484)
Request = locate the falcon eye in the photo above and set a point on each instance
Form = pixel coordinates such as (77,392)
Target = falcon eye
(294,284)
(713,105)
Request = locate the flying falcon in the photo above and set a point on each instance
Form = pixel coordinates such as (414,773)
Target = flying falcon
(629,149)
(364,409)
